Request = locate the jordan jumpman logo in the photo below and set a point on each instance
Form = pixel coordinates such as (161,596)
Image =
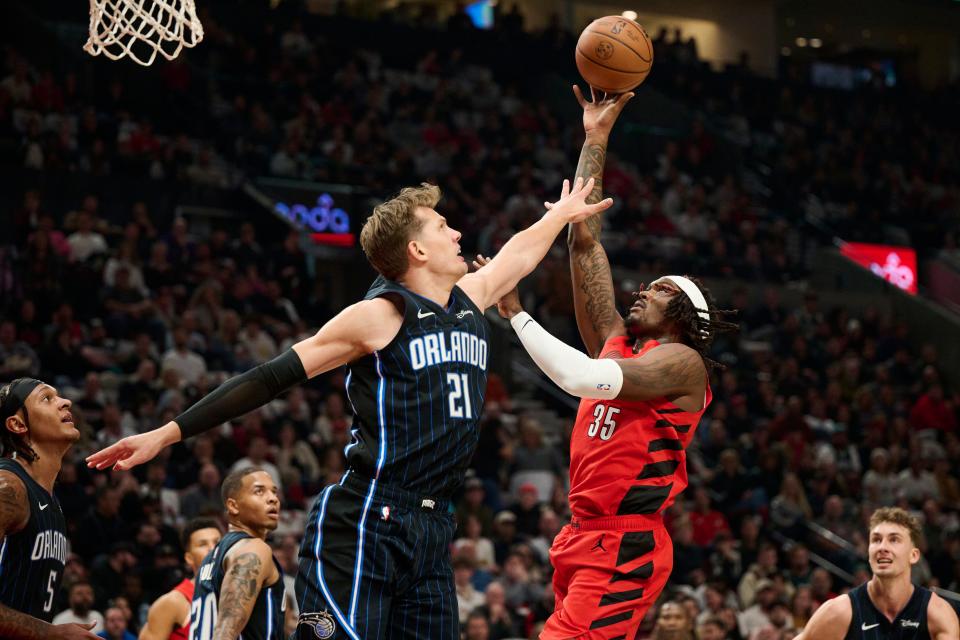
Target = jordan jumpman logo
(599,544)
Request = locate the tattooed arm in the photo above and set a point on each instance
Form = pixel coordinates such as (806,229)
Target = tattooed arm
(593,293)
(14,515)
(672,371)
(249,565)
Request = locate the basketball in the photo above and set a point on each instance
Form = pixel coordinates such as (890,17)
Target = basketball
(614,54)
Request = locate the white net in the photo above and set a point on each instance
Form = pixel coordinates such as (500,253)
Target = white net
(140,29)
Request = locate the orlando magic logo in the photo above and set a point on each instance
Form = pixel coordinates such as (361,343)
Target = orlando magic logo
(320,622)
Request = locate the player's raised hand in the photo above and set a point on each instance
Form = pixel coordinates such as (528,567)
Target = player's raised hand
(572,205)
(133,450)
(602,111)
(509,305)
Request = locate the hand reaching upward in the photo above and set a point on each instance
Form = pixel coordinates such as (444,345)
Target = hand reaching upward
(602,111)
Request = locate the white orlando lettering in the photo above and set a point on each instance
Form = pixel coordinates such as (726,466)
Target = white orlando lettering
(439,348)
(206,572)
(50,545)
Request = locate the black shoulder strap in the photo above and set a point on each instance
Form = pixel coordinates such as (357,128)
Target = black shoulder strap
(857,618)
(7,464)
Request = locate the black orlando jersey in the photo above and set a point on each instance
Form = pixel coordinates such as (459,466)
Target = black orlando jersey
(32,559)
(266,619)
(417,402)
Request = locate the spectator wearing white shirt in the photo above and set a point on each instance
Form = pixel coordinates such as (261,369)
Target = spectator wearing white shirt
(468,598)
(81,608)
(85,242)
(188,365)
(258,342)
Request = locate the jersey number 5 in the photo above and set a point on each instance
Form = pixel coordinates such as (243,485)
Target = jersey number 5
(604,422)
(51,581)
(459,391)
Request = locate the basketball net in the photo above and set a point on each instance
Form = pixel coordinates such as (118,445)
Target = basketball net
(140,29)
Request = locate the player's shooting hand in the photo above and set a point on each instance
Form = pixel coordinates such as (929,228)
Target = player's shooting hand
(73,631)
(602,111)
(133,450)
(572,205)
(509,305)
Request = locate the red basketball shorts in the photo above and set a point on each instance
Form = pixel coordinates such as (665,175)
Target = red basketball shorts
(607,574)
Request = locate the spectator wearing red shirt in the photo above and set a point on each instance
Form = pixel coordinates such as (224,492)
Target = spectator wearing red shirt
(931,411)
(707,522)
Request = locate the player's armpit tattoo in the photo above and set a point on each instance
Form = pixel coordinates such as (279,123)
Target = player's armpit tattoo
(240,588)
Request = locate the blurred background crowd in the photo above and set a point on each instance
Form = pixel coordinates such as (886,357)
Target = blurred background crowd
(134,312)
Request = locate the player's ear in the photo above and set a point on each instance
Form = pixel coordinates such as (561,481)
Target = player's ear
(914,556)
(15,424)
(416,252)
(232,507)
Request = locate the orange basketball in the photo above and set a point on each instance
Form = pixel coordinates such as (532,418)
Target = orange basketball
(614,54)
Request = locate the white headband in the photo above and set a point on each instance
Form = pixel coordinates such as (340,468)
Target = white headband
(694,295)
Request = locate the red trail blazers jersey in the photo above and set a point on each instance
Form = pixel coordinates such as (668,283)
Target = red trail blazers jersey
(629,458)
(182,632)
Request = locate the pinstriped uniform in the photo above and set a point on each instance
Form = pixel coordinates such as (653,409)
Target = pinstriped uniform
(375,561)
(266,619)
(32,560)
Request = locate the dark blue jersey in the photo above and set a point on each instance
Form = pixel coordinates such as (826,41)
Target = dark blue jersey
(32,559)
(417,402)
(869,624)
(266,619)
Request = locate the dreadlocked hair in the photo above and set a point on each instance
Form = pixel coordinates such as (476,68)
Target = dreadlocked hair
(11,444)
(695,332)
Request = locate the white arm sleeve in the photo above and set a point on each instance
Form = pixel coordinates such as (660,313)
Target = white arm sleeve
(572,370)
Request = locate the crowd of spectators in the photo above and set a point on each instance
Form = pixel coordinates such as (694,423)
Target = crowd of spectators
(820,416)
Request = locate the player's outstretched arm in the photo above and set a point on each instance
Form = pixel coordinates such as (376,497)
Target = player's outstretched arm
(942,619)
(356,331)
(524,251)
(593,292)
(165,614)
(830,621)
(248,566)
(670,370)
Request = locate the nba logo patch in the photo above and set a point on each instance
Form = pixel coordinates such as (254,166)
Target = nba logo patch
(385,513)
(321,622)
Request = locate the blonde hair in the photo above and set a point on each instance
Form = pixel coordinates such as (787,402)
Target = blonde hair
(385,234)
(897,516)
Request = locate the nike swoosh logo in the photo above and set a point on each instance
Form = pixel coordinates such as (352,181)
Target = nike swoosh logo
(43,506)
(864,626)
(421,314)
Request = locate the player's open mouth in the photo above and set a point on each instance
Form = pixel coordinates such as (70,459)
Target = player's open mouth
(884,561)
(67,419)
